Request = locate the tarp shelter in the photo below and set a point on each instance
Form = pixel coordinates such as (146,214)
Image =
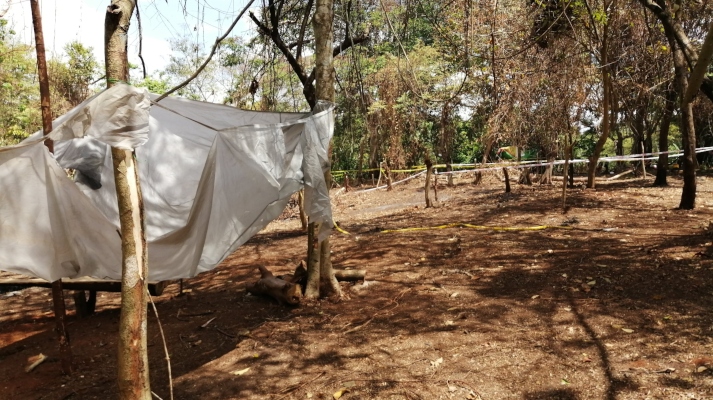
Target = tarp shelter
(211,176)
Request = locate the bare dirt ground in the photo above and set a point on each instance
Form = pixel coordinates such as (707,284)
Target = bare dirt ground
(611,300)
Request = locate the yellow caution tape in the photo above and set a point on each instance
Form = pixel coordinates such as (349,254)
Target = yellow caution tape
(481,227)
(355,170)
(339,229)
(401,171)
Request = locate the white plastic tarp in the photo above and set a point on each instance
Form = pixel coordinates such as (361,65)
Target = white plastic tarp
(211,176)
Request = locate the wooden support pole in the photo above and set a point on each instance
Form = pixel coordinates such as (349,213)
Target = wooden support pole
(65,350)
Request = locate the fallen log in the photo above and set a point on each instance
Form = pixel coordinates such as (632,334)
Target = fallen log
(631,171)
(349,275)
(342,275)
(279,289)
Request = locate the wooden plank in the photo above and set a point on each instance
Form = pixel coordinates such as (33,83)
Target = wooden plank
(99,285)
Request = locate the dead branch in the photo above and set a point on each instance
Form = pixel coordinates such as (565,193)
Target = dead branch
(291,389)
(356,328)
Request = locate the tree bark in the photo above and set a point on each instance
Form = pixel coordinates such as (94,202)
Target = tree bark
(65,350)
(301,205)
(427,187)
(313,265)
(133,367)
(662,166)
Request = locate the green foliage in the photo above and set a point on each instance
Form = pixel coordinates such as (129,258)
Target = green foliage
(156,85)
(71,77)
(19,91)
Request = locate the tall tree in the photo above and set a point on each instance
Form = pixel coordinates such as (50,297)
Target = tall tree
(686,59)
(325,79)
(271,25)
(133,366)
(604,37)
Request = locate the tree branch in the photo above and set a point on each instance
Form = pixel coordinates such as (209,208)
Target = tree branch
(698,72)
(284,49)
(347,43)
(210,56)
(294,61)
(659,9)
(303,27)
(295,44)
(341,48)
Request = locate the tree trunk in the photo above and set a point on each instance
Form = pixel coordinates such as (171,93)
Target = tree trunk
(606,102)
(546,178)
(688,139)
(688,136)
(565,172)
(489,146)
(507,179)
(525,177)
(132,360)
(687,89)
(662,167)
(360,162)
(324,75)
(65,350)
(313,256)
(449,169)
(427,187)
(301,205)
(387,175)
(525,172)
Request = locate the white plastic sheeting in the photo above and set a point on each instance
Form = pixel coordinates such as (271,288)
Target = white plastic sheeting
(211,175)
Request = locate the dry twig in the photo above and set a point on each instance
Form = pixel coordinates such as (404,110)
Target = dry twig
(165,348)
(291,389)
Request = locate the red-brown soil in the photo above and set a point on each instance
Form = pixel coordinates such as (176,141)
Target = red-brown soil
(613,300)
